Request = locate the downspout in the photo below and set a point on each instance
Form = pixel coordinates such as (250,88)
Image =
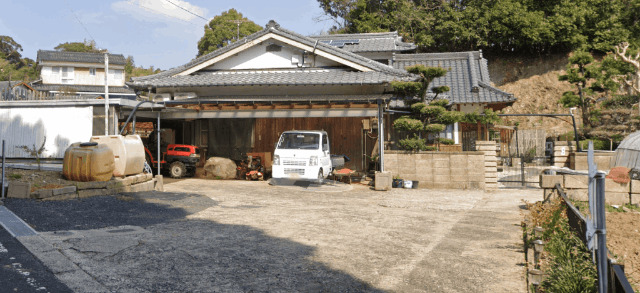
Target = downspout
(381,134)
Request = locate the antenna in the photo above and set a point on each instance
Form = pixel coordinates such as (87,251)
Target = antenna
(238,22)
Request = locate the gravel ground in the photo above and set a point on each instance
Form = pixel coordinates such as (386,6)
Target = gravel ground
(237,236)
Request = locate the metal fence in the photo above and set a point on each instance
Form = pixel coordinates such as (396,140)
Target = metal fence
(591,230)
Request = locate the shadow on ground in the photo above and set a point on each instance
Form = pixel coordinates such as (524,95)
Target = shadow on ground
(177,254)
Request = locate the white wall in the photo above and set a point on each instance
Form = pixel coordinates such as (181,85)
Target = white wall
(28,126)
(82,76)
(257,57)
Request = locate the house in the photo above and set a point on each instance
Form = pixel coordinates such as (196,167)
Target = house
(81,74)
(380,47)
(470,89)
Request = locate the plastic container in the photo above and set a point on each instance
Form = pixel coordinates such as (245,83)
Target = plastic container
(88,162)
(408,184)
(128,153)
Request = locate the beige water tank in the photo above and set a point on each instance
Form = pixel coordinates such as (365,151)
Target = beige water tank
(88,162)
(128,153)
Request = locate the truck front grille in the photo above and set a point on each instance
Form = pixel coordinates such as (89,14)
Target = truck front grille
(292,162)
(289,171)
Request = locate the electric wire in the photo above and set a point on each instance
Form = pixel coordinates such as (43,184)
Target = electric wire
(79,21)
(176,5)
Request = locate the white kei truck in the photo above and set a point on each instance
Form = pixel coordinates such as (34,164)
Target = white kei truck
(302,155)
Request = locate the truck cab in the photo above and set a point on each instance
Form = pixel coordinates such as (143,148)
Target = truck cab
(302,155)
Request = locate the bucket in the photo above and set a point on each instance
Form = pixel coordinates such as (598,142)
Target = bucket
(88,162)
(408,184)
(415,184)
(397,183)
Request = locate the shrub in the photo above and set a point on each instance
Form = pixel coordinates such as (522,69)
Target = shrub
(433,111)
(406,123)
(598,144)
(413,144)
(439,102)
(446,141)
(450,117)
(434,128)
(417,107)
(431,148)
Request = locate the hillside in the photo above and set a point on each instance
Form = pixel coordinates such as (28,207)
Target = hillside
(534,82)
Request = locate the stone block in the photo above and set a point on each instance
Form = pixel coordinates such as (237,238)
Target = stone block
(490,164)
(115,184)
(550,181)
(576,181)
(634,198)
(439,177)
(383,181)
(441,164)
(84,193)
(578,194)
(617,198)
(612,186)
(477,177)
(62,197)
(158,183)
(147,176)
(458,161)
(475,163)
(91,185)
(423,170)
(635,186)
(407,164)
(490,170)
(64,190)
(19,189)
(490,180)
(126,181)
(42,193)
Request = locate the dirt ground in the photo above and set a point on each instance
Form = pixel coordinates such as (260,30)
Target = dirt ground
(623,239)
(208,235)
(39,179)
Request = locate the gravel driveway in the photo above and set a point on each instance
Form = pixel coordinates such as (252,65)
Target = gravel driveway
(238,236)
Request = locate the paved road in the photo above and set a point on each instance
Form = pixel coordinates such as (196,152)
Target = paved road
(221,236)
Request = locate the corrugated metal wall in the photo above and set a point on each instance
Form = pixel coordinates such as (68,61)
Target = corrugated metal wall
(346,135)
(62,126)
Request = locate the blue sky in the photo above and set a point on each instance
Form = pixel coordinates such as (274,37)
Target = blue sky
(154,32)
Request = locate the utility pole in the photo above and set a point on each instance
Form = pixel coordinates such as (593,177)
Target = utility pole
(106,93)
(238,22)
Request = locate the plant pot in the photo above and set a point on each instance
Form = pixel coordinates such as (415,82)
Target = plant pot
(397,183)
(415,184)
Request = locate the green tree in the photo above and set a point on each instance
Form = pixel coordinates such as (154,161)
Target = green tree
(225,29)
(12,65)
(630,78)
(10,50)
(86,46)
(581,72)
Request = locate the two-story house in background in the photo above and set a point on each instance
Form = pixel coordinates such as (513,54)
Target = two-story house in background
(81,74)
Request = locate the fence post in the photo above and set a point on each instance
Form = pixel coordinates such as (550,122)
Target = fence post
(601,233)
(3,179)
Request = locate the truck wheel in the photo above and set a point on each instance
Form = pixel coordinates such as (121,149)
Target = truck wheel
(177,169)
(320,177)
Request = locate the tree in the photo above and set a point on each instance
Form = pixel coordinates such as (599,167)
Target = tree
(12,65)
(420,88)
(10,50)
(86,46)
(631,78)
(225,29)
(582,73)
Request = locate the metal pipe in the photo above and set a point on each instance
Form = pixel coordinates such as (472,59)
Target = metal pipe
(575,133)
(381,134)
(158,158)
(133,125)
(601,233)
(3,182)
(106,94)
(133,112)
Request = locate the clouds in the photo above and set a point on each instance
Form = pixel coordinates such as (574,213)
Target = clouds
(161,11)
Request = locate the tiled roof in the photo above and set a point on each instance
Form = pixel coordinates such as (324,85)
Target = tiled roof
(272,27)
(82,88)
(272,77)
(370,42)
(288,98)
(46,55)
(468,76)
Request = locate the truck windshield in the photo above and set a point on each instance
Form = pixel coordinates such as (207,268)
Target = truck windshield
(299,141)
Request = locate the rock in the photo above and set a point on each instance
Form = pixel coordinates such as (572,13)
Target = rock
(220,168)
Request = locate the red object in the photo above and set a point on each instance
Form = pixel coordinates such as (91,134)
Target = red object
(619,174)
(344,171)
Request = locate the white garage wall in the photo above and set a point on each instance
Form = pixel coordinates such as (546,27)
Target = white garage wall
(62,126)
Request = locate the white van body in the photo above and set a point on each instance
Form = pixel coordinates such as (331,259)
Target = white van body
(302,155)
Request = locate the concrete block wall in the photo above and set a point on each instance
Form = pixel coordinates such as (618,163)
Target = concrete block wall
(561,153)
(489,149)
(440,170)
(576,187)
(578,161)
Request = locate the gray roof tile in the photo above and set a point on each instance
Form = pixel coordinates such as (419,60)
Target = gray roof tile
(46,55)
(272,27)
(81,88)
(275,77)
(371,42)
(468,76)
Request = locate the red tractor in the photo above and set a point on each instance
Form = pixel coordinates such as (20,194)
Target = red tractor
(179,160)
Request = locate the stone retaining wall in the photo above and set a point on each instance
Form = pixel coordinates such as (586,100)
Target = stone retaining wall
(134,183)
(575,187)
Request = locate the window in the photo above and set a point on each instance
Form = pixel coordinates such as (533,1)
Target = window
(67,75)
(92,71)
(55,70)
(115,74)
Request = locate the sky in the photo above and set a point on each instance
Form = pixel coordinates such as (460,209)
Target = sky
(159,33)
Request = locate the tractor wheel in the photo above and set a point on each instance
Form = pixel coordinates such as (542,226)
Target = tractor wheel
(177,169)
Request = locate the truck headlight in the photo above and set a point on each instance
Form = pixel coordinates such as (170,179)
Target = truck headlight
(313,161)
(276,159)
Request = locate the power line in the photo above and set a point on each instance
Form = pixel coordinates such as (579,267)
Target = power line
(176,5)
(78,19)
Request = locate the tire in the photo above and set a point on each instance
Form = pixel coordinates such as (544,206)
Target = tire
(177,169)
(320,177)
